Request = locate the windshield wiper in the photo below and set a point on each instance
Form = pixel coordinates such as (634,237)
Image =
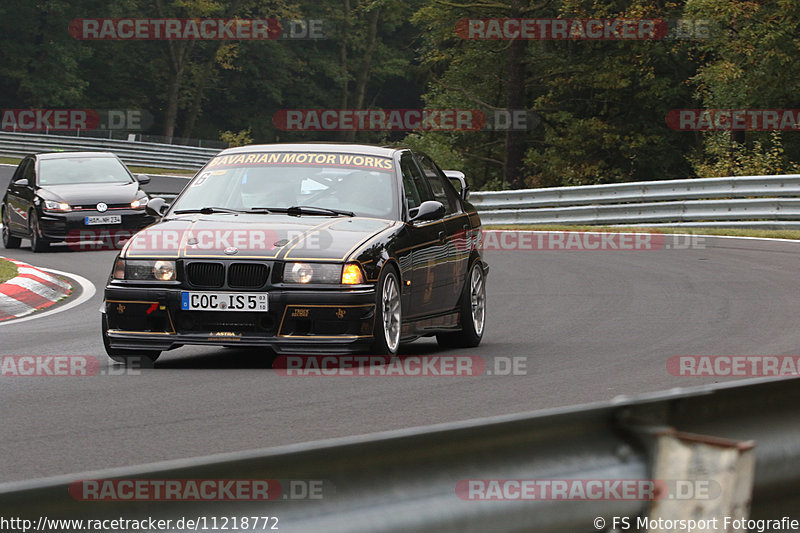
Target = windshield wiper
(208,210)
(297,210)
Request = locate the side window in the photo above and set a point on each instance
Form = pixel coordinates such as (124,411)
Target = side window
(30,172)
(441,190)
(413,182)
(20,172)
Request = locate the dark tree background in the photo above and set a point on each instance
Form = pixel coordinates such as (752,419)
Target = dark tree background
(600,106)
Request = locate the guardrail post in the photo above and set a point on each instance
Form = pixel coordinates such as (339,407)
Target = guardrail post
(701,478)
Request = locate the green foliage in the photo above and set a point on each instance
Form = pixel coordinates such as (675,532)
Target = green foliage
(721,158)
(437,147)
(240,138)
(750,63)
(601,105)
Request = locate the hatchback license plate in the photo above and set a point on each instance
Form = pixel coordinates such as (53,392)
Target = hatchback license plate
(224,301)
(105,219)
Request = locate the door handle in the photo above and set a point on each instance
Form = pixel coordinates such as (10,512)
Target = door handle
(442,236)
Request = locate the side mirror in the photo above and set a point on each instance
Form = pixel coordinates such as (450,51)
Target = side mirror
(430,210)
(157,207)
(21,183)
(459,181)
(143,179)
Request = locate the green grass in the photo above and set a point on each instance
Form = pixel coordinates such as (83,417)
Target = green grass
(771,233)
(10,160)
(8,270)
(156,170)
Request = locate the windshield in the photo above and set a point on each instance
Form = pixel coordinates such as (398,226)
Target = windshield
(360,184)
(74,170)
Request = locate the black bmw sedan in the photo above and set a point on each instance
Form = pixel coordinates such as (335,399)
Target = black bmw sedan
(71,196)
(303,248)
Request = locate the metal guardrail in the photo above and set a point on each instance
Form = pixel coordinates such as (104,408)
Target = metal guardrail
(749,201)
(126,135)
(406,480)
(131,152)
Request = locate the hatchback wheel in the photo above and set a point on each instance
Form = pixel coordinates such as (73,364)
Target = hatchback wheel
(38,242)
(9,241)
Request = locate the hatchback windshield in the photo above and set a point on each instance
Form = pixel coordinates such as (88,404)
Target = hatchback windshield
(74,170)
(279,180)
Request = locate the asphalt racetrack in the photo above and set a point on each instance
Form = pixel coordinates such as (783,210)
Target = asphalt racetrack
(591,325)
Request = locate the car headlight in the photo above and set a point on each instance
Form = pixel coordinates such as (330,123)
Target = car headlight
(304,273)
(141,270)
(139,203)
(50,205)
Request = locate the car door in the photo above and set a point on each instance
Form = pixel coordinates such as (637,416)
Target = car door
(20,197)
(453,265)
(421,243)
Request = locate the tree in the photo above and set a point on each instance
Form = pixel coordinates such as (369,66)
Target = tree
(751,64)
(40,58)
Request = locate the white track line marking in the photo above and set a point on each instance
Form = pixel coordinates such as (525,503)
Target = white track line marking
(87,291)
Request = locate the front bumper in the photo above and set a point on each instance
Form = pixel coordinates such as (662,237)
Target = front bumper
(298,321)
(72,227)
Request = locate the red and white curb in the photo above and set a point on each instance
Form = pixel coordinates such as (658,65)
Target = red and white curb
(31,290)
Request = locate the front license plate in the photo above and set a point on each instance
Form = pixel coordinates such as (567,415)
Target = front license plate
(104,219)
(224,301)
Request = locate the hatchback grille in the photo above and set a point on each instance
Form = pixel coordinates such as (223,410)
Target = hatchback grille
(210,275)
(247,275)
(93,207)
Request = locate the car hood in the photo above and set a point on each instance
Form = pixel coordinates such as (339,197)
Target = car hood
(251,236)
(91,193)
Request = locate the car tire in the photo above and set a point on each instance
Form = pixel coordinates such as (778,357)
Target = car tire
(388,314)
(472,308)
(9,240)
(130,358)
(38,243)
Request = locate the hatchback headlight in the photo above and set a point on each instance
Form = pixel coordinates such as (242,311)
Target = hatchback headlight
(141,270)
(63,207)
(139,203)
